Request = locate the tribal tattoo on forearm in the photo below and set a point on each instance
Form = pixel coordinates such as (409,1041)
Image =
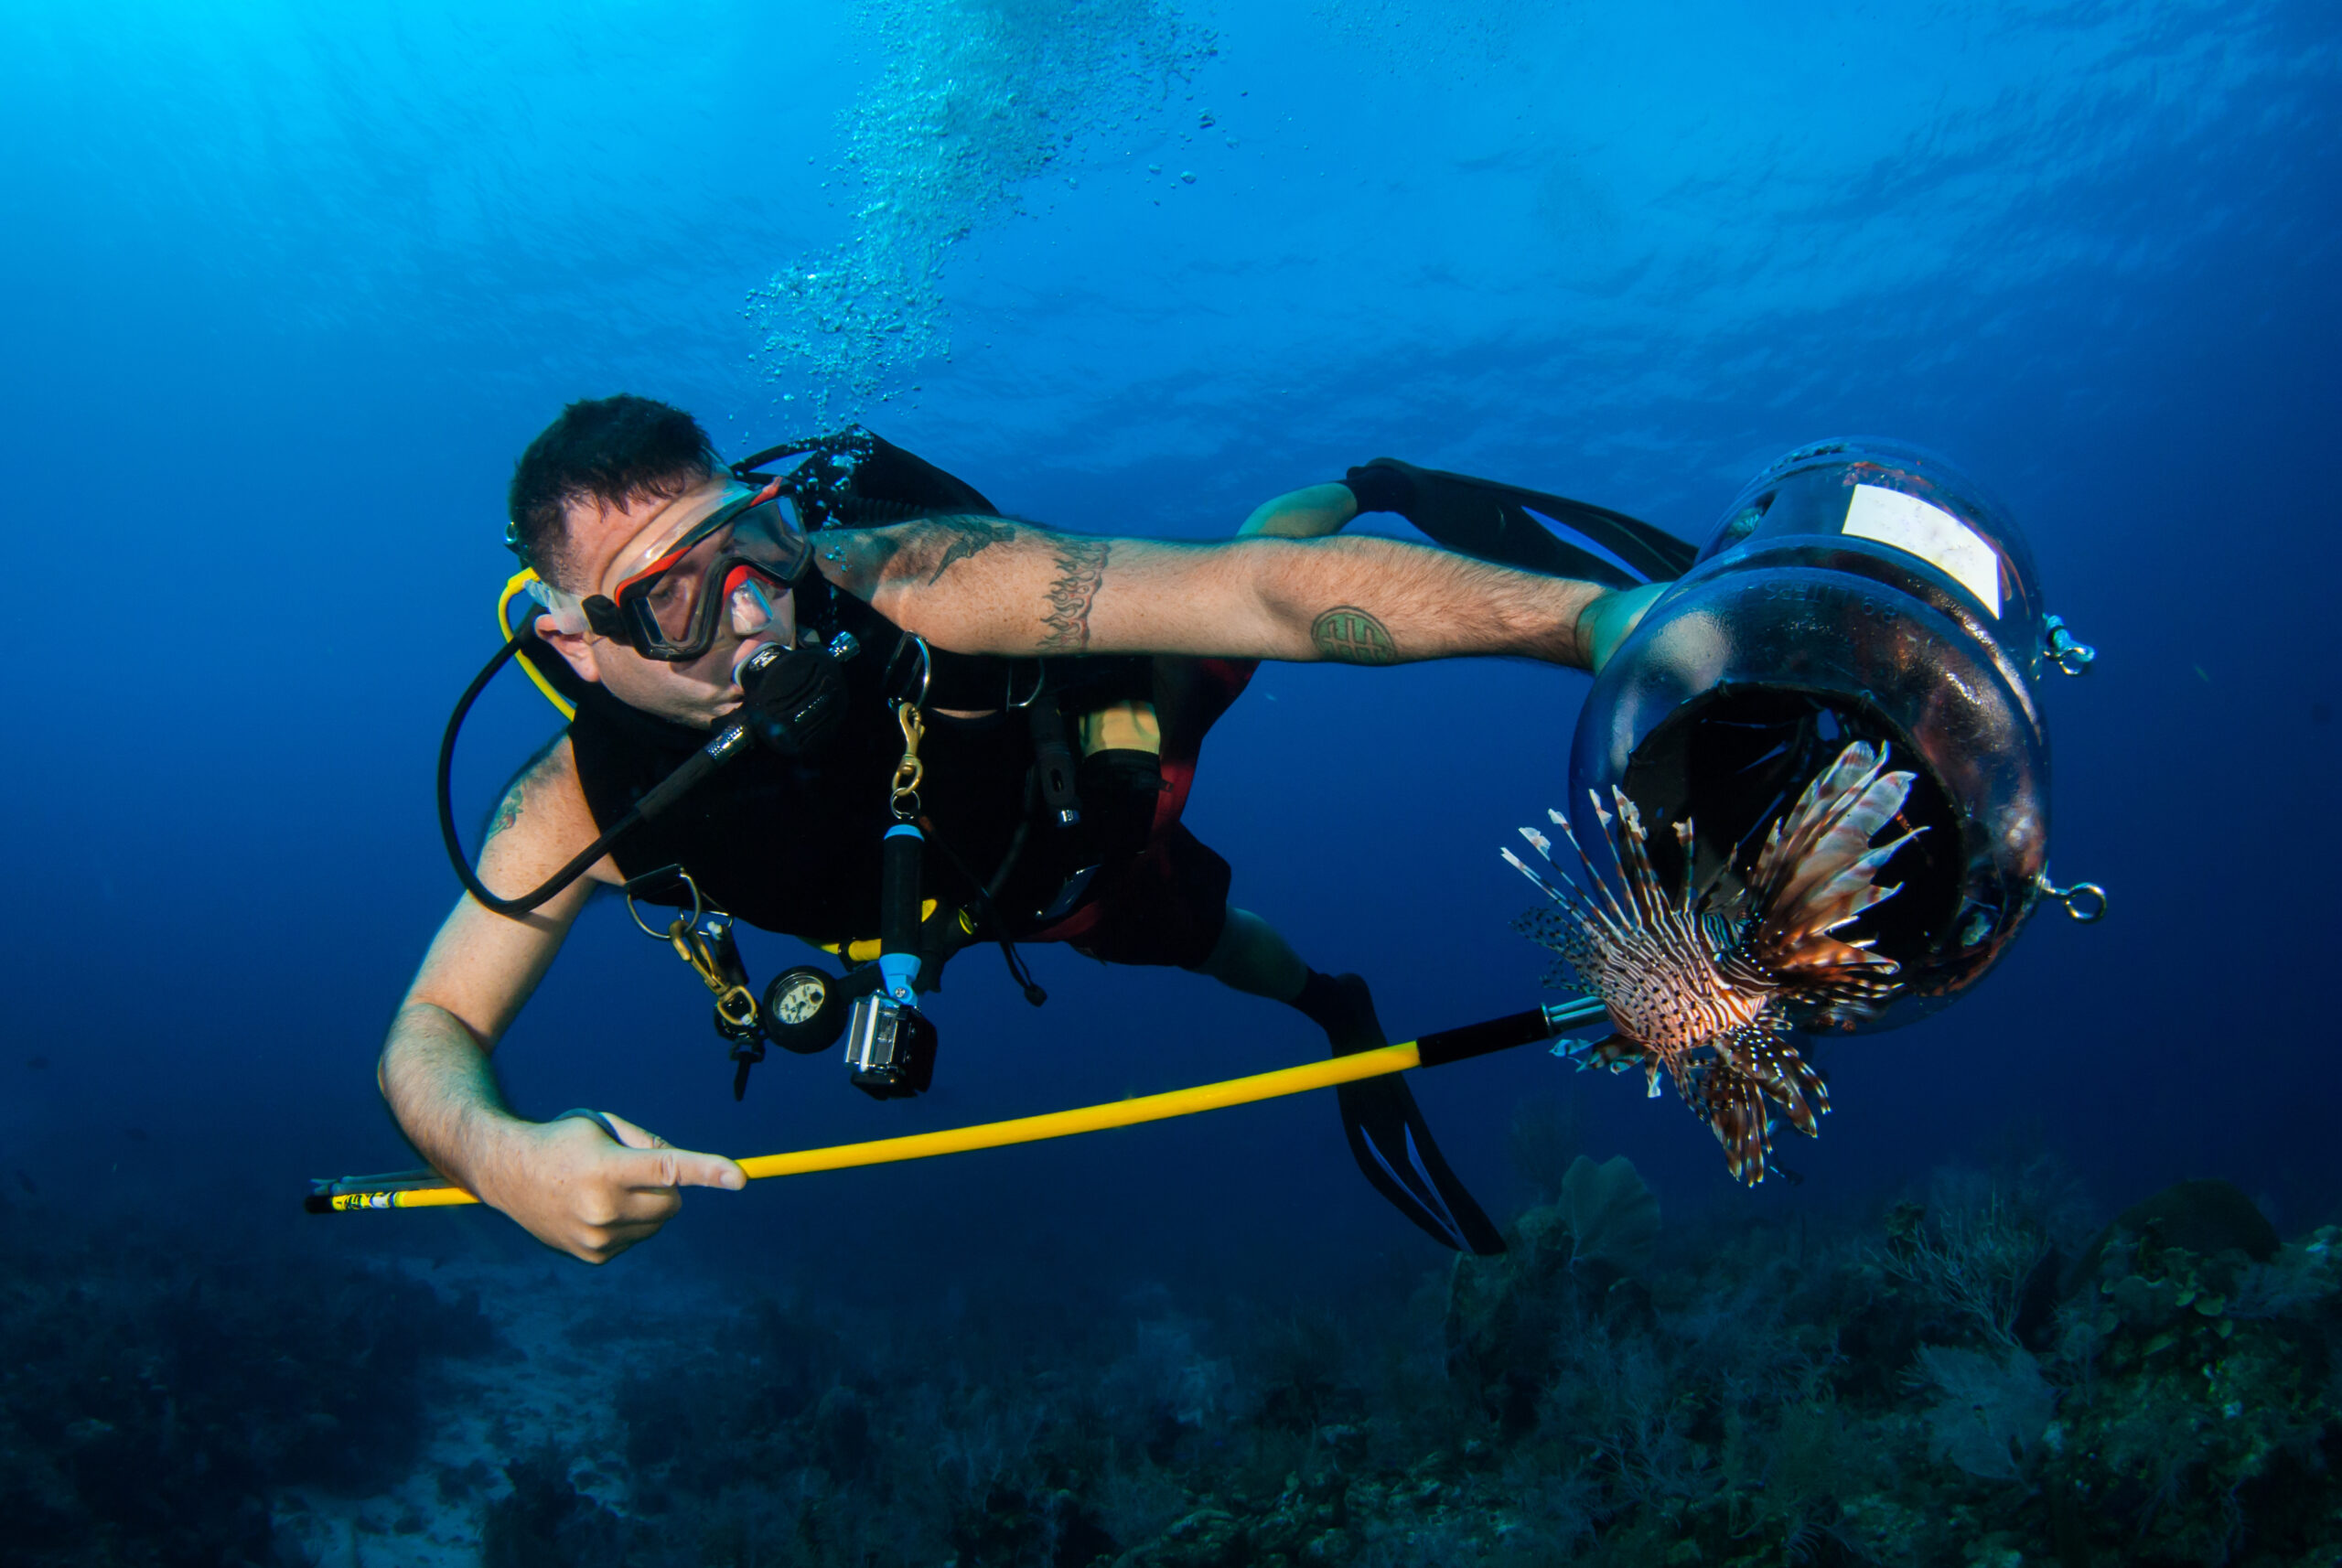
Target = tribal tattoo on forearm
(1347,635)
(970,536)
(1082,567)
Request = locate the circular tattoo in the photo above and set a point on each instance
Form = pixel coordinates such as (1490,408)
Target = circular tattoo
(1347,635)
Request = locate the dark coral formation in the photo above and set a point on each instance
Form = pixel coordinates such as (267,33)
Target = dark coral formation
(1967,1380)
(1978,1375)
(154,1396)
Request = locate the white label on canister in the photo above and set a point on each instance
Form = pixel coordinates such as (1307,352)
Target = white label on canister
(1931,533)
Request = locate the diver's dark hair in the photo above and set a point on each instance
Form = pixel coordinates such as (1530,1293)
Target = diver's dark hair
(613,450)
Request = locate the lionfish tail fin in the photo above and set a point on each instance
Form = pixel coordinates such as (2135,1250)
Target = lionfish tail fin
(1818,871)
(1737,1090)
(1733,1106)
(1777,1067)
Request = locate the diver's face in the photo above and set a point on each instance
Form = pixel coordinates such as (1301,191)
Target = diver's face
(608,544)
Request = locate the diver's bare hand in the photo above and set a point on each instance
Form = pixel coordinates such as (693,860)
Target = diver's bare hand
(574,1189)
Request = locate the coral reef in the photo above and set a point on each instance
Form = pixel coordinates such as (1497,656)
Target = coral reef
(1978,1375)
(157,1397)
(1898,1393)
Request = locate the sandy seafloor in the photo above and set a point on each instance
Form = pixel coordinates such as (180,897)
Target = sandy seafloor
(550,1384)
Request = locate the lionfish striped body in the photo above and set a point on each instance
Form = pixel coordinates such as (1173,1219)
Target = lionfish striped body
(1700,987)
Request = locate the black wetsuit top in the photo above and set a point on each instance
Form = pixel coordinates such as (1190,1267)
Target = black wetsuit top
(791,844)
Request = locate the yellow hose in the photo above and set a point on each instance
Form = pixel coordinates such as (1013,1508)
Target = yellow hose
(997,1135)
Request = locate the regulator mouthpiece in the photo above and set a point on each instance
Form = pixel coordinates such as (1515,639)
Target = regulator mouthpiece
(795,697)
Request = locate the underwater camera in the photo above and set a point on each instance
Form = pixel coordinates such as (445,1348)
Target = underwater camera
(891,1049)
(1857,589)
(889,1045)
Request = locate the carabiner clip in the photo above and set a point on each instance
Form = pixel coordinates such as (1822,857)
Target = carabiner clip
(652,879)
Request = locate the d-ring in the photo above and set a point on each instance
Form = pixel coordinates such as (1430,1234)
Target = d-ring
(2084,902)
(925,667)
(652,878)
(1008,682)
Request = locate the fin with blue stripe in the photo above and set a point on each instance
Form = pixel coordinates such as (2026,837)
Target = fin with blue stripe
(1393,1144)
(1516,527)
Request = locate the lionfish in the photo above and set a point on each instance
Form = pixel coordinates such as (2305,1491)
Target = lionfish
(1703,987)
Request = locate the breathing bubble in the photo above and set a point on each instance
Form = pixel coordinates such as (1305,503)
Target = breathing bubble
(976,98)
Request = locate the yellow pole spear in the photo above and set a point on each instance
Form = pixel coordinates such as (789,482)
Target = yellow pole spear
(423,1190)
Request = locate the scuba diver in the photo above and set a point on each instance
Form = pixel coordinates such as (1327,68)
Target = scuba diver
(830,692)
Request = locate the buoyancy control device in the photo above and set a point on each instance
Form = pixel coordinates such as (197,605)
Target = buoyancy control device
(853,478)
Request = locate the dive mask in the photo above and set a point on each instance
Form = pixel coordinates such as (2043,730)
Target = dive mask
(670,610)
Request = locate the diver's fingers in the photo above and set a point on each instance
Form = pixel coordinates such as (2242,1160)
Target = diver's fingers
(677,1167)
(628,1133)
(662,1168)
(603,1243)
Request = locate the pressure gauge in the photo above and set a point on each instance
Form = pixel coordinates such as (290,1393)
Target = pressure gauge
(800,1013)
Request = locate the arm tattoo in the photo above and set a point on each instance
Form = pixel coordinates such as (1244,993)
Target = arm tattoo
(516,794)
(1347,635)
(507,810)
(1082,567)
(970,536)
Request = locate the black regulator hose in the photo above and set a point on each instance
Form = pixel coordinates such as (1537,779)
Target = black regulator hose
(802,718)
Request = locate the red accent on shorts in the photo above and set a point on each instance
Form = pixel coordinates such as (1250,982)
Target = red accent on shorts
(1189,696)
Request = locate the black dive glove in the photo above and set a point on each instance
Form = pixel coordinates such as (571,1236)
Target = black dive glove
(796,699)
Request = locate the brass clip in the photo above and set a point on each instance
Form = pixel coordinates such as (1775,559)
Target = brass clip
(733,1004)
(903,797)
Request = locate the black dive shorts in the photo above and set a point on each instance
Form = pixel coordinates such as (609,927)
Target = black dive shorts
(1168,906)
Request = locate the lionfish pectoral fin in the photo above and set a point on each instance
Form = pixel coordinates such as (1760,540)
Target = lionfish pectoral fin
(1830,825)
(1612,1053)
(1818,871)
(1813,959)
(1826,905)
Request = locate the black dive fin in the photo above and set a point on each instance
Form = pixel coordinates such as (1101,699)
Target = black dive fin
(1515,527)
(1393,1143)
(1394,1148)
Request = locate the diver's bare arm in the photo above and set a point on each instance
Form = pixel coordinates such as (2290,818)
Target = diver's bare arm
(479,972)
(988,586)
(564,1181)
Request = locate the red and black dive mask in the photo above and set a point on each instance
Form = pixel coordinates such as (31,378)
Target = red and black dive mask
(671,608)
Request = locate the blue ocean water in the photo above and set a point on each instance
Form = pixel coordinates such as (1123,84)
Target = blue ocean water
(288,289)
